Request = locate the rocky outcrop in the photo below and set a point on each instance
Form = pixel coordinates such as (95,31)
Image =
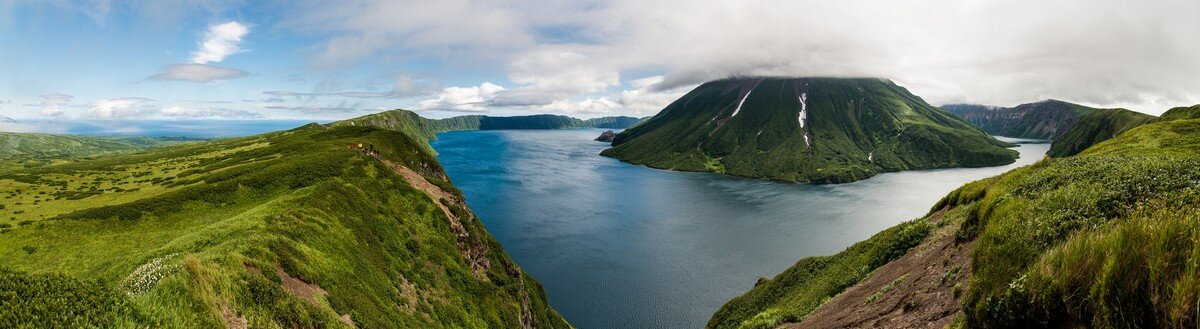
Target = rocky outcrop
(606,136)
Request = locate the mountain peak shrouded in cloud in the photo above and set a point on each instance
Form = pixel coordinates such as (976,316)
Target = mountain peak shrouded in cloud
(607,57)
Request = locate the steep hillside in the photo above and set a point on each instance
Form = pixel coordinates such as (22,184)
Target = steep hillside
(289,229)
(1047,119)
(1106,239)
(1181,113)
(415,125)
(1096,127)
(32,145)
(618,122)
(823,130)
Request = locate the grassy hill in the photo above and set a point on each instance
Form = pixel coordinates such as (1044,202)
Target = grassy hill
(1109,238)
(617,122)
(1181,113)
(285,229)
(822,130)
(414,124)
(34,145)
(1047,119)
(1095,127)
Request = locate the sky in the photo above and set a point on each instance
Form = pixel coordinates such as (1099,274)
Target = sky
(327,60)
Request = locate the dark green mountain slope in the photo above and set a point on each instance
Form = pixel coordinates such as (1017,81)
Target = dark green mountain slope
(1047,119)
(1096,127)
(1106,239)
(822,130)
(290,229)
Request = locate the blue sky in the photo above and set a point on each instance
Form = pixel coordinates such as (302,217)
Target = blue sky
(322,60)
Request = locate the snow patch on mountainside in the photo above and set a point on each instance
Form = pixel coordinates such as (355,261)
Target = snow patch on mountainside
(743,101)
(803,109)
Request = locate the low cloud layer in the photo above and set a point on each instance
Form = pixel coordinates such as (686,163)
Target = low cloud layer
(52,104)
(207,112)
(220,41)
(1103,52)
(197,73)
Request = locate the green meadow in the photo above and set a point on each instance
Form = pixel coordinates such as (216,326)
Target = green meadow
(285,229)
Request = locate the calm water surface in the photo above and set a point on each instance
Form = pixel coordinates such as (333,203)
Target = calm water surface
(623,246)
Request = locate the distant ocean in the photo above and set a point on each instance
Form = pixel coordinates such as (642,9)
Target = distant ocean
(156,128)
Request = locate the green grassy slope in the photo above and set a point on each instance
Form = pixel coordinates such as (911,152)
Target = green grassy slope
(285,229)
(1047,119)
(617,122)
(34,145)
(1096,127)
(851,129)
(1109,238)
(1181,113)
(413,124)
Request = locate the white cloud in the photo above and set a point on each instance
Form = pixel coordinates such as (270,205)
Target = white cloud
(119,108)
(207,112)
(462,99)
(197,73)
(590,106)
(1100,52)
(219,42)
(52,104)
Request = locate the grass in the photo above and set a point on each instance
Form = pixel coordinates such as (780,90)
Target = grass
(1107,239)
(854,129)
(191,236)
(22,147)
(1095,127)
(791,295)
(411,123)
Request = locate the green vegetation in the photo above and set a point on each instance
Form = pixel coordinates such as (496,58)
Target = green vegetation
(1107,238)
(413,124)
(1048,119)
(1181,113)
(1095,127)
(811,281)
(618,122)
(33,145)
(286,229)
(850,129)
(59,301)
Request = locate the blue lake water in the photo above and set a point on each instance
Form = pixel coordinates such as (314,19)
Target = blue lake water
(624,246)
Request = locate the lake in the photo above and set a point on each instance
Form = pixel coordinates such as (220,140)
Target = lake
(624,246)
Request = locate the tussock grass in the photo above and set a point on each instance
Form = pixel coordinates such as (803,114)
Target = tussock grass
(190,236)
(1109,238)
